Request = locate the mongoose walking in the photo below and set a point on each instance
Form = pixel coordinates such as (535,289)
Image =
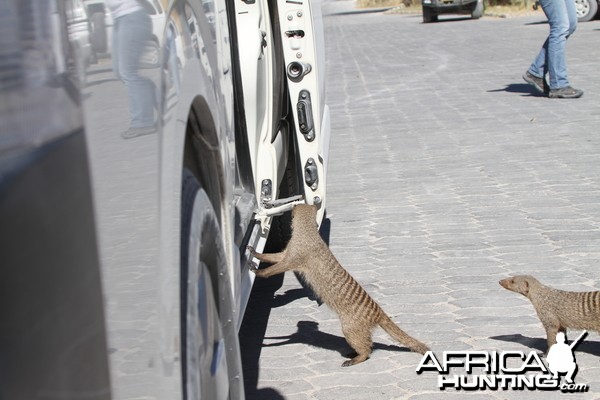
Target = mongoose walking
(308,254)
(558,309)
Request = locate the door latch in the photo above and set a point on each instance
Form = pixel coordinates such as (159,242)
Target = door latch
(305,117)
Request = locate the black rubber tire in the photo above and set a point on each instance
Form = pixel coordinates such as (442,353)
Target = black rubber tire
(429,15)
(281,226)
(98,38)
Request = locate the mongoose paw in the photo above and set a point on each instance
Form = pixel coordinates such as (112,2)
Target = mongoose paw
(421,348)
(355,360)
(251,265)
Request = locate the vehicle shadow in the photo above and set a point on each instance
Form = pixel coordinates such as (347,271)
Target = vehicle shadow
(252,332)
(540,344)
(447,18)
(254,325)
(524,88)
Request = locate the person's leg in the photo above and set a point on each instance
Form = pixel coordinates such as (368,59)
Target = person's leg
(551,60)
(115,49)
(560,28)
(134,31)
(538,68)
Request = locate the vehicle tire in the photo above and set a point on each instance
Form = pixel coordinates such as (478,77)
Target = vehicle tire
(478,10)
(586,10)
(98,37)
(204,327)
(429,15)
(281,226)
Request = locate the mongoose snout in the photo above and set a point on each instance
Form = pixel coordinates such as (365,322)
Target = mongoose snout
(517,284)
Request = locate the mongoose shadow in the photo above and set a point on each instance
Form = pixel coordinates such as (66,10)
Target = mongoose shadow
(262,300)
(590,347)
(308,333)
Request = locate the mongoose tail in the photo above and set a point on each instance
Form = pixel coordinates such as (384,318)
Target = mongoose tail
(394,331)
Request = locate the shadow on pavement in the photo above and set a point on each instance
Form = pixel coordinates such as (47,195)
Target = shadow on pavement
(540,344)
(308,333)
(325,229)
(262,300)
(542,22)
(252,333)
(524,88)
(447,18)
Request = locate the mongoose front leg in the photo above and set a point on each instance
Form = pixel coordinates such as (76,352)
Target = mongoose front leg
(278,268)
(551,331)
(270,258)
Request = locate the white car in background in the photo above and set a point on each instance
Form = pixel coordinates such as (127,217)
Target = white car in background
(586,9)
(241,136)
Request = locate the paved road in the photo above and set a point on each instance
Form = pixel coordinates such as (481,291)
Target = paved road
(447,173)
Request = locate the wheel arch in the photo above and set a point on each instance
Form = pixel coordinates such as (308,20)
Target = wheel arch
(202,153)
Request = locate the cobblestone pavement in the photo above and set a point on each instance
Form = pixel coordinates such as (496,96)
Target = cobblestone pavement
(447,174)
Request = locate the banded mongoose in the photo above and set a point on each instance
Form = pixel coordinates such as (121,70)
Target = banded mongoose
(308,254)
(558,309)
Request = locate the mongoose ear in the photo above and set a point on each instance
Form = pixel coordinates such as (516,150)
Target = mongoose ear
(526,288)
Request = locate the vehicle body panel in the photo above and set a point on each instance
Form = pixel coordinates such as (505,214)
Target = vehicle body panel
(449,6)
(60,90)
(52,331)
(433,8)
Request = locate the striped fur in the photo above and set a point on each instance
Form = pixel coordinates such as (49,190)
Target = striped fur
(308,254)
(558,310)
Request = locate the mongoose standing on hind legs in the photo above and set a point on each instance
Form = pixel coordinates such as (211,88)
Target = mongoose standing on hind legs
(308,254)
(558,309)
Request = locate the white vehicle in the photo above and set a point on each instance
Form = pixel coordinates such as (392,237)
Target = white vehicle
(242,132)
(586,9)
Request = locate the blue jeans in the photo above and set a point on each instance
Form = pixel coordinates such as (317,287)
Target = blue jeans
(130,34)
(562,18)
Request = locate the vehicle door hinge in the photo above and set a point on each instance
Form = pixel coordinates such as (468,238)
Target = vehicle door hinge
(273,208)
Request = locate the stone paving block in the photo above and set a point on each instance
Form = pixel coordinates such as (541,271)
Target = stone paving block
(447,174)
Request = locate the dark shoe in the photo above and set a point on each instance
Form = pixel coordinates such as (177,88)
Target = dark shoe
(567,92)
(135,132)
(539,84)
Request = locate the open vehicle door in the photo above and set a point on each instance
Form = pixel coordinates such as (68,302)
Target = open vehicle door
(287,121)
